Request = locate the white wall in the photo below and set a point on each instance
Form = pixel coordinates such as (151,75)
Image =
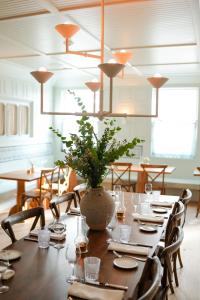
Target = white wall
(16,151)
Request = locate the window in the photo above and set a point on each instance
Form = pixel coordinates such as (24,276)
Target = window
(174,132)
(69,122)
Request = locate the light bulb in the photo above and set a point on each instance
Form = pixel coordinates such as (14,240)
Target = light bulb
(157,75)
(95,80)
(42,69)
(112,61)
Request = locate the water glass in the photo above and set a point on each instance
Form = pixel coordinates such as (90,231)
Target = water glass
(43,238)
(117,189)
(156,195)
(124,233)
(148,188)
(91,268)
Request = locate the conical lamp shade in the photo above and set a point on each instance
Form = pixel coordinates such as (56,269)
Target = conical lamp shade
(157,82)
(111,70)
(122,57)
(93,86)
(41,76)
(67,30)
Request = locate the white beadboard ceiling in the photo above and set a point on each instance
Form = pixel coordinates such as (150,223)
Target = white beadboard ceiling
(163,35)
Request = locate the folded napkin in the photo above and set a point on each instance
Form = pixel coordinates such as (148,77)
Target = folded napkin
(75,210)
(162,203)
(53,235)
(148,218)
(88,292)
(128,248)
(8,274)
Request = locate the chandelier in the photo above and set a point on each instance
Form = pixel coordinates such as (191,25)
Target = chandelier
(110,69)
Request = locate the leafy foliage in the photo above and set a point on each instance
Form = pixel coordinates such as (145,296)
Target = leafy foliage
(89,155)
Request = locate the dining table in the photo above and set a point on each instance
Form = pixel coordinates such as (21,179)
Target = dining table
(41,273)
(196,172)
(23,176)
(142,176)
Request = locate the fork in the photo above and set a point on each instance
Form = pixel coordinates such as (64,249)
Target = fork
(137,258)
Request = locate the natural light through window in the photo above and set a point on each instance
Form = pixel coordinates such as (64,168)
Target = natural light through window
(174,132)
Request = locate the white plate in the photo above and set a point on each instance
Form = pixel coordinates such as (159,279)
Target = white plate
(125,262)
(160,210)
(9,254)
(148,228)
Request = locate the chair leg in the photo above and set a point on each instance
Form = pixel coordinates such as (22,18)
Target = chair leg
(175,270)
(170,283)
(180,259)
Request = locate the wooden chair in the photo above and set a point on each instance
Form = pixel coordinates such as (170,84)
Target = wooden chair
(185,198)
(121,175)
(61,185)
(80,190)
(152,177)
(169,257)
(37,196)
(150,280)
(54,203)
(37,212)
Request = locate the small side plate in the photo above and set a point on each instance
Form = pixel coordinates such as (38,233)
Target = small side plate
(125,262)
(9,254)
(160,210)
(148,228)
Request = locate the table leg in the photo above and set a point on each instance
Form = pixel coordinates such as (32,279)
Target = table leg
(141,180)
(20,190)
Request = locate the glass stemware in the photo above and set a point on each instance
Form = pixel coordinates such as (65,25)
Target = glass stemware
(148,188)
(71,256)
(3,268)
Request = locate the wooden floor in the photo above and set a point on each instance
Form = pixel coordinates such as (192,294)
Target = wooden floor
(189,276)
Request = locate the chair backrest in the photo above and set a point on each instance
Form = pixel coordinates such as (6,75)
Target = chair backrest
(37,212)
(80,190)
(175,240)
(150,280)
(54,203)
(153,176)
(121,173)
(185,198)
(63,180)
(174,220)
(46,179)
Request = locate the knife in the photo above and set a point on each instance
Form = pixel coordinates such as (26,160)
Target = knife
(103,284)
(27,238)
(134,244)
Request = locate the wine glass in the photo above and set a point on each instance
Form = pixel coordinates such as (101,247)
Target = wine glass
(3,268)
(72,259)
(148,188)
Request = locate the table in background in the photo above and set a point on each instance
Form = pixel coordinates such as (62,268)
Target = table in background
(41,273)
(142,176)
(196,172)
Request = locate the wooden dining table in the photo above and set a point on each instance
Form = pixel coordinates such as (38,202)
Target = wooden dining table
(142,176)
(23,176)
(41,273)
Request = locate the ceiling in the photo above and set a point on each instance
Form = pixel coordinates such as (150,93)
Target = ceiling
(163,35)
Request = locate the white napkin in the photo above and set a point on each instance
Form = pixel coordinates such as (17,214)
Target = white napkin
(53,236)
(162,203)
(88,292)
(148,218)
(128,248)
(75,210)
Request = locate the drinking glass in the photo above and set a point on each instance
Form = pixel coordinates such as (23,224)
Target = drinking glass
(91,267)
(148,188)
(3,268)
(136,201)
(72,259)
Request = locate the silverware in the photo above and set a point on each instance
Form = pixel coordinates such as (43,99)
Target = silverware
(137,258)
(103,284)
(132,244)
(73,213)
(27,238)
(153,224)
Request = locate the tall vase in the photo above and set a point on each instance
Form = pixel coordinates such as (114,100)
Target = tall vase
(97,206)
